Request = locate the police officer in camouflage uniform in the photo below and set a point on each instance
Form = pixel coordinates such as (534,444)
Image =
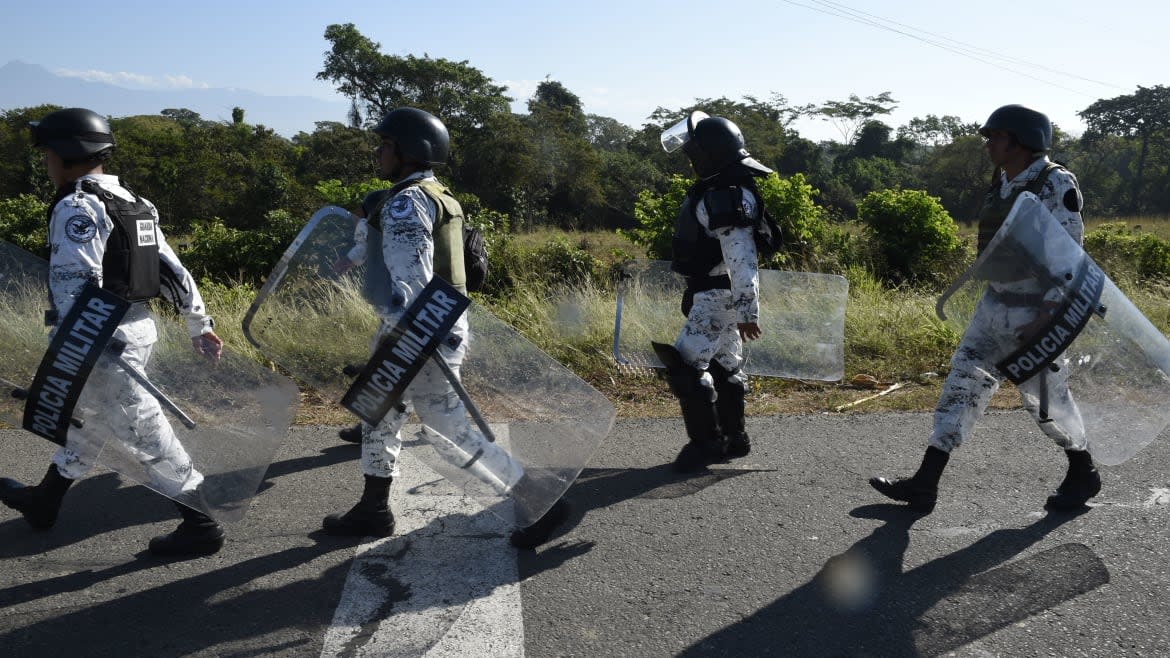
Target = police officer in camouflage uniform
(1017,138)
(419,235)
(715,250)
(103,233)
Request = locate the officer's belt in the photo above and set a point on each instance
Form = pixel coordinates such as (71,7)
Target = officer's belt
(703,283)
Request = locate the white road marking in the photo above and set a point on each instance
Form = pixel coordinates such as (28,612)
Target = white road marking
(445,586)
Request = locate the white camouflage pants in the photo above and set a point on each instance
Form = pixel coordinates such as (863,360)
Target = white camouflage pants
(974,379)
(136,420)
(711,334)
(446,427)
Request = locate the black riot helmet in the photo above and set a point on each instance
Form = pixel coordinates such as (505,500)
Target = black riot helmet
(420,135)
(74,134)
(714,146)
(1031,129)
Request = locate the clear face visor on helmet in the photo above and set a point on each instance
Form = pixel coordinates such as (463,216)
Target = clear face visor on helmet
(675,136)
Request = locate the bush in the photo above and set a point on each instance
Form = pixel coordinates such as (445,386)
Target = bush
(223,253)
(554,264)
(1118,247)
(334,193)
(810,242)
(22,222)
(912,235)
(655,215)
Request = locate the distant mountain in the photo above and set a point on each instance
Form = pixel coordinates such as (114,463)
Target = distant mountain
(24,85)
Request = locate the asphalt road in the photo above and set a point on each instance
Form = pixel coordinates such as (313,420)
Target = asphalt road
(786,552)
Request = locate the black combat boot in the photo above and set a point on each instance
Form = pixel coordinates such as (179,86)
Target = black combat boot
(731,407)
(706,443)
(197,534)
(1081,483)
(39,504)
(351,434)
(371,517)
(920,490)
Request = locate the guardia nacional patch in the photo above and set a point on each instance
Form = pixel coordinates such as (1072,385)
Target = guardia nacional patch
(400,207)
(80,228)
(145,232)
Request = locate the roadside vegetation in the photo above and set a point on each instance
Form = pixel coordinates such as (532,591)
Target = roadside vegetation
(891,332)
(565,196)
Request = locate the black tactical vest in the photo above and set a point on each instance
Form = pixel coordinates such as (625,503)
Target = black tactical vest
(447,234)
(995,209)
(130,267)
(693,252)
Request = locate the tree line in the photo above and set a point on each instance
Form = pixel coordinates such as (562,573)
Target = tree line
(237,192)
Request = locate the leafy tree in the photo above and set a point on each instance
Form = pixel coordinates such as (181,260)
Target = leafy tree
(934,131)
(21,171)
(622,176)
(874,141)
(152,157)
(959,173)
(606,134)
(456,91)
(849,116)
(1143,115)
(764,125)
(496,167)
(865,175)
(567,166)
(335,151)
(468,102)
(184,117)
(802,156)
(559,108)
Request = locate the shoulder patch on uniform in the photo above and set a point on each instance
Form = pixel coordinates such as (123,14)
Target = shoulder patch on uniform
(80,228)
(1072,200)
(749,206)
(400,207)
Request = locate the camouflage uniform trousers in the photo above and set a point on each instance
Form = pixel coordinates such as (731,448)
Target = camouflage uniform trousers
(468,457)
(711,334)
(135,418)
(974,379)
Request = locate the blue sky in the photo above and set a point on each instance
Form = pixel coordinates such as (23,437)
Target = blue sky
(626,58)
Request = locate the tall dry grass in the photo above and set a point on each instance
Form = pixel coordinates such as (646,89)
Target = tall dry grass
(891,333)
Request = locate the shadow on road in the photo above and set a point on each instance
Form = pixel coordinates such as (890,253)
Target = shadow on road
(100,504)
(238,602)
(862,603)
(597,488)
(93,506)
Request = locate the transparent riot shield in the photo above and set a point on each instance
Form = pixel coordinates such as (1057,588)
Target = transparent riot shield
(802,316)
(198,432)
(530,424)
(1037,306)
